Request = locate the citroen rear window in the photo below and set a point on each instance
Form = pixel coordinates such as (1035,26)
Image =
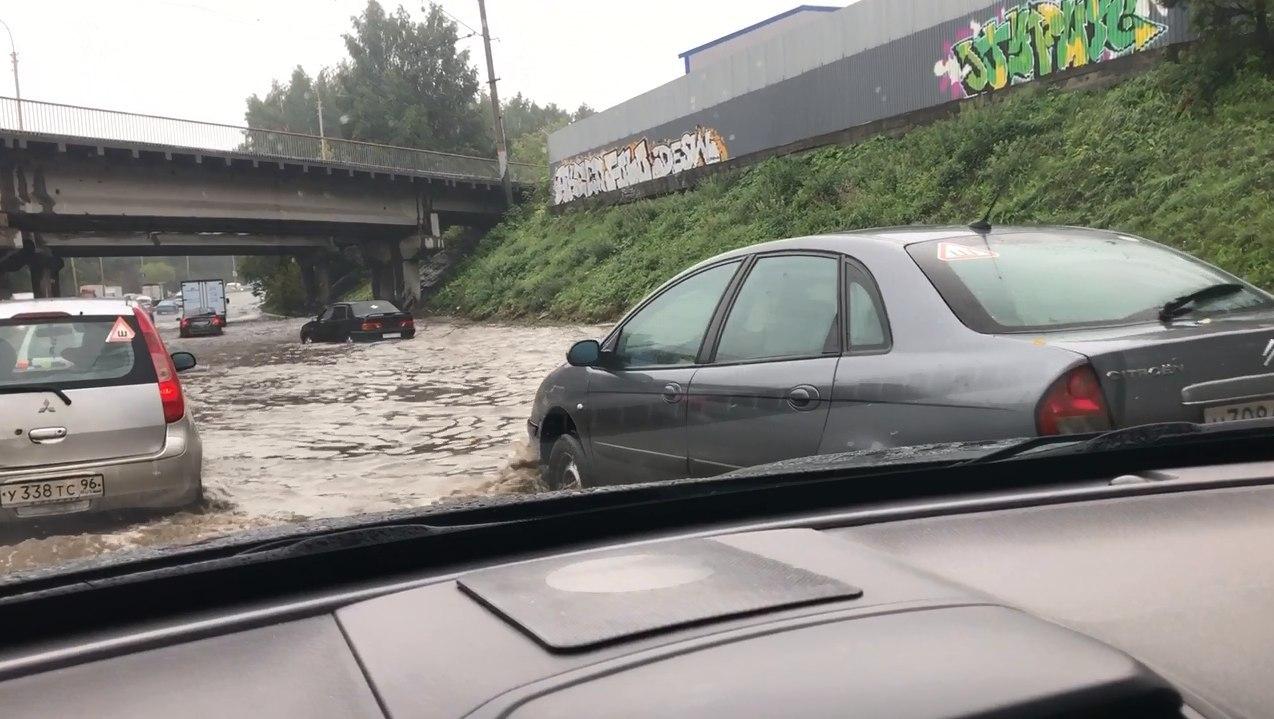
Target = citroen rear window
(1039,281)
(73,352)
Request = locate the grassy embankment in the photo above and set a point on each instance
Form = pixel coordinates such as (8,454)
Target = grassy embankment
(1127,158)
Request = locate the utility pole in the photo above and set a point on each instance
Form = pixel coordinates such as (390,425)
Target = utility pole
(75,277)
(501,144)
(13,54)
(318,96)
(101,274)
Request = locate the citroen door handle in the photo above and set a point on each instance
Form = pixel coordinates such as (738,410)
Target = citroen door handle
(672,393)
(803,397)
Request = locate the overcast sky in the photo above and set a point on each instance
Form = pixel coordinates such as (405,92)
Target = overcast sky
(200,59)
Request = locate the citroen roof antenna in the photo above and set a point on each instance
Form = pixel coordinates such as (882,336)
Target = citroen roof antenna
(984,224)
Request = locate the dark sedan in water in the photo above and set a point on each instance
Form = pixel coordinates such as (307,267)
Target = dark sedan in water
(200,321)
(899,337)
(359,322)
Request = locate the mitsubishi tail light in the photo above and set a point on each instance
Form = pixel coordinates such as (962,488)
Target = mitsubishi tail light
(165,373)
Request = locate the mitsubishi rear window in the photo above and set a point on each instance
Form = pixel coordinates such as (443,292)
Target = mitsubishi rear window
(73,352)
(1040,281)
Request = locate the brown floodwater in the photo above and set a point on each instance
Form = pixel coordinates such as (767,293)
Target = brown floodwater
(295,432)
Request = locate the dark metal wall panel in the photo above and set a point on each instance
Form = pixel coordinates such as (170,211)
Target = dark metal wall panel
(890,79)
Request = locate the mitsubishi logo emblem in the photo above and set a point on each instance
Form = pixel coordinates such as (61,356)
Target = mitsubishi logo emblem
(48,406)
(1267,354)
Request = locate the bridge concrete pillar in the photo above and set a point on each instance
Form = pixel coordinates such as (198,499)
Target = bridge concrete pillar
(322,281)
(410,250)
(316,280)
(385,263)
(307,281)
(44,275)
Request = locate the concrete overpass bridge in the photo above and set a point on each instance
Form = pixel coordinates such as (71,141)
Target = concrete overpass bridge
(85,182)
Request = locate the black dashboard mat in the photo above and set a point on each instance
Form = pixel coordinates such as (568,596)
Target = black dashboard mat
(581,601)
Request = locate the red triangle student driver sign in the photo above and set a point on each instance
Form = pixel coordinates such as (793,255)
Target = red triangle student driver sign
(952,252)
(120,332)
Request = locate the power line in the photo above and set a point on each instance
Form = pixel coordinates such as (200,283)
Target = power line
(467,26)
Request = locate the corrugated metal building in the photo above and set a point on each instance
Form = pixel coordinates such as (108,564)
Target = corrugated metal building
(700,57)
(871,60)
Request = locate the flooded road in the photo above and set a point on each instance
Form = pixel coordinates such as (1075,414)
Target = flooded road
(293,432)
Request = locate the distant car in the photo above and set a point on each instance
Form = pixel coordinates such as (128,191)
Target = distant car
(905,336)
(93,417)
(167,307)
(145,303)
(200,322)
(359,322)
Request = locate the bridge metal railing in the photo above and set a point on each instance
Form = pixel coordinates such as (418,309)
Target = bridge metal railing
(50,118)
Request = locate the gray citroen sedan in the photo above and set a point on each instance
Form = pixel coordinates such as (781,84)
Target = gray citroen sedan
(92,416)
(905,336)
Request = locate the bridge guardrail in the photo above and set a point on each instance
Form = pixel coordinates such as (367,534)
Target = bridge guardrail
(50,118)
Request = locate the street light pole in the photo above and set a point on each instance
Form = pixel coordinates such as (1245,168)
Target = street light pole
(501,143)
(13,54)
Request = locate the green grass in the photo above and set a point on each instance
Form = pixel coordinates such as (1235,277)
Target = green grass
(360,293)
(1124,158)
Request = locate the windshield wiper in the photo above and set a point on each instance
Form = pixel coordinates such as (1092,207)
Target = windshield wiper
(37,388)
(1173,309)
(1124,438)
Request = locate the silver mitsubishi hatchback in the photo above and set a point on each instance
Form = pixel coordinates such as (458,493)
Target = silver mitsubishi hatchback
(92,416)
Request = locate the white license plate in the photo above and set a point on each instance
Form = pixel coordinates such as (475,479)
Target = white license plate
(1232,412)
(392,335)
(24,494)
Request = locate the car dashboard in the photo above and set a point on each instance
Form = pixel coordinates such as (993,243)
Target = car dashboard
(1151,601)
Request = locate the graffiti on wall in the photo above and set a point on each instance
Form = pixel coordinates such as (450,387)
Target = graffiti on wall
(1039,37)
(639,161)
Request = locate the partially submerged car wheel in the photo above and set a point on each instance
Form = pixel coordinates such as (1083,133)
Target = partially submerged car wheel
(568,465)
(306,339)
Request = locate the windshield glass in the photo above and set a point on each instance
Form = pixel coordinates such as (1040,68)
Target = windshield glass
(1052,281)
(387,258)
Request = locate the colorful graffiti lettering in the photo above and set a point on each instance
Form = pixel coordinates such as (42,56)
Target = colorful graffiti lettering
(639,161)
(1040,37)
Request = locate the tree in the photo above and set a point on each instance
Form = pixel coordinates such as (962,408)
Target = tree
(528,125)
(158,272)
(406,83)
(294,107)
(1228,30)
